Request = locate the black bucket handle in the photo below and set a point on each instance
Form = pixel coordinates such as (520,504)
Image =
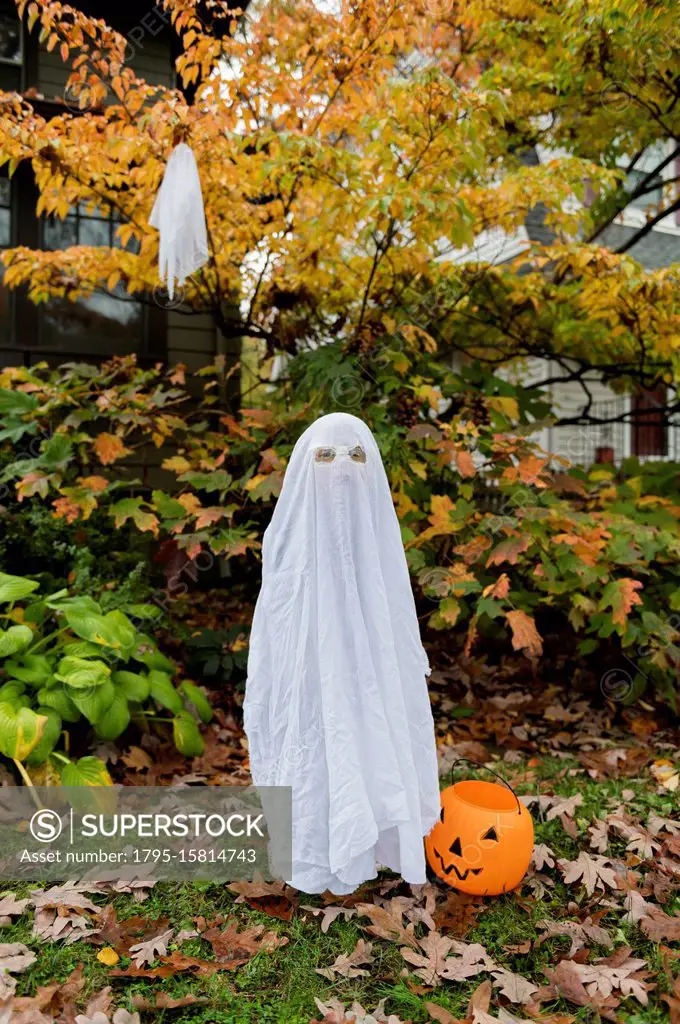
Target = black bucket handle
(484,767)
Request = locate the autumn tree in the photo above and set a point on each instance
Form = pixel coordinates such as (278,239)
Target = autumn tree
(346,156)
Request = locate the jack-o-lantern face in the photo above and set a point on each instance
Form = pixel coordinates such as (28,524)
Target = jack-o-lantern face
(483,842)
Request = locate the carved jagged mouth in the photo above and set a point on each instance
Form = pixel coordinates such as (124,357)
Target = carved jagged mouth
(448,868)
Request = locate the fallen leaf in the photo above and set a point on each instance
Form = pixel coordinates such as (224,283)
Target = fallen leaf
(513,986)
(150,949)
(15,957)
(274,898)
(593,872)
(329,914)
(108,956)
(387,923)
(350,965)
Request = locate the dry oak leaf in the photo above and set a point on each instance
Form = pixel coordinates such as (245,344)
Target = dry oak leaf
(110,448)
(68,895)
(273,898)
(431,961)
(458,913)
(525,636)
(350,965)
(442,1015)
(10,906)
(335,1013)
(230,944)
(165,1002)
(542,857)
(659,926)
(148,950)
(581,934)
(563,806)
(329,914)
(387,923)
(639,841)
(513,986)
(593,872)
(15,957)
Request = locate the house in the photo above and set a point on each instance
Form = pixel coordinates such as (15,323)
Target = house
(103,325)
(649,435)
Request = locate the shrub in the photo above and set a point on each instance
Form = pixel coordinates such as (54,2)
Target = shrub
(65,662)
(507,545)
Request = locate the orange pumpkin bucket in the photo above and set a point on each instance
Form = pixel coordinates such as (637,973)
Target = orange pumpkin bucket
(484,839)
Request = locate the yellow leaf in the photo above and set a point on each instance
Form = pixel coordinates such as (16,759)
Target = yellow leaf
(177,464)
(108,956)
(505,405)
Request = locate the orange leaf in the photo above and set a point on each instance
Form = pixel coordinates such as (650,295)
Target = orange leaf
(509,550)
(525,636)
(498,589)
(110,448)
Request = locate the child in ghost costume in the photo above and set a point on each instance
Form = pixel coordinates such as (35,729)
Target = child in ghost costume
(336,703)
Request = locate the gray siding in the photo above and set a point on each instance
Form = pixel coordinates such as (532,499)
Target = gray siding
(150,59)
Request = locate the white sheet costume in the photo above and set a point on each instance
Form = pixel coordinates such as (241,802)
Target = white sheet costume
(336,700)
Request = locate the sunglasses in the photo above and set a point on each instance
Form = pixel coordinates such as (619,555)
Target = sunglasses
(328,453)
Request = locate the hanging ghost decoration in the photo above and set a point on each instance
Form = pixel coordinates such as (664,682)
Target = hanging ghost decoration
(336,703)
(179,216)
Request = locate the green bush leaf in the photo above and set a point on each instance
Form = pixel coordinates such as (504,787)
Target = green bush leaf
(11,691)
(113,630)
(34,669)
(15,588)
(60,701)
(93,702)
(82,673)
(20,731)
(50,736)
(115,719)
(134,685)
(164,693)
(197,697)
(187,736)
(15,639)
(147,653)
(88,771)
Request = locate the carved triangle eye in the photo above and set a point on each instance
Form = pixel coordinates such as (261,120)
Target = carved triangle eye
(491,834)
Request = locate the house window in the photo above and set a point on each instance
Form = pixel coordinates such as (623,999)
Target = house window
(651,197)
(5,241)
(103,323)
(649,430)
(11,55)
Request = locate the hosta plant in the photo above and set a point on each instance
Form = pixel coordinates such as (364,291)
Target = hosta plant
(66,665)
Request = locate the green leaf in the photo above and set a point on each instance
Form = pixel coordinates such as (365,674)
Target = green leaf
(15,588)
(15,639)
(115,719)
(34,669)
(50,736)
(113,630)
(82,673)
(187,736)
(197,697)
(147,653)
(93,702)
(11,691)
(16,403)
(164,693)
(134,685)
(20,731)
(60,701)
(88,771)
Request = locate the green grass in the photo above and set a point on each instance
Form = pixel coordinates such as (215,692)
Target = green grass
(279,987)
